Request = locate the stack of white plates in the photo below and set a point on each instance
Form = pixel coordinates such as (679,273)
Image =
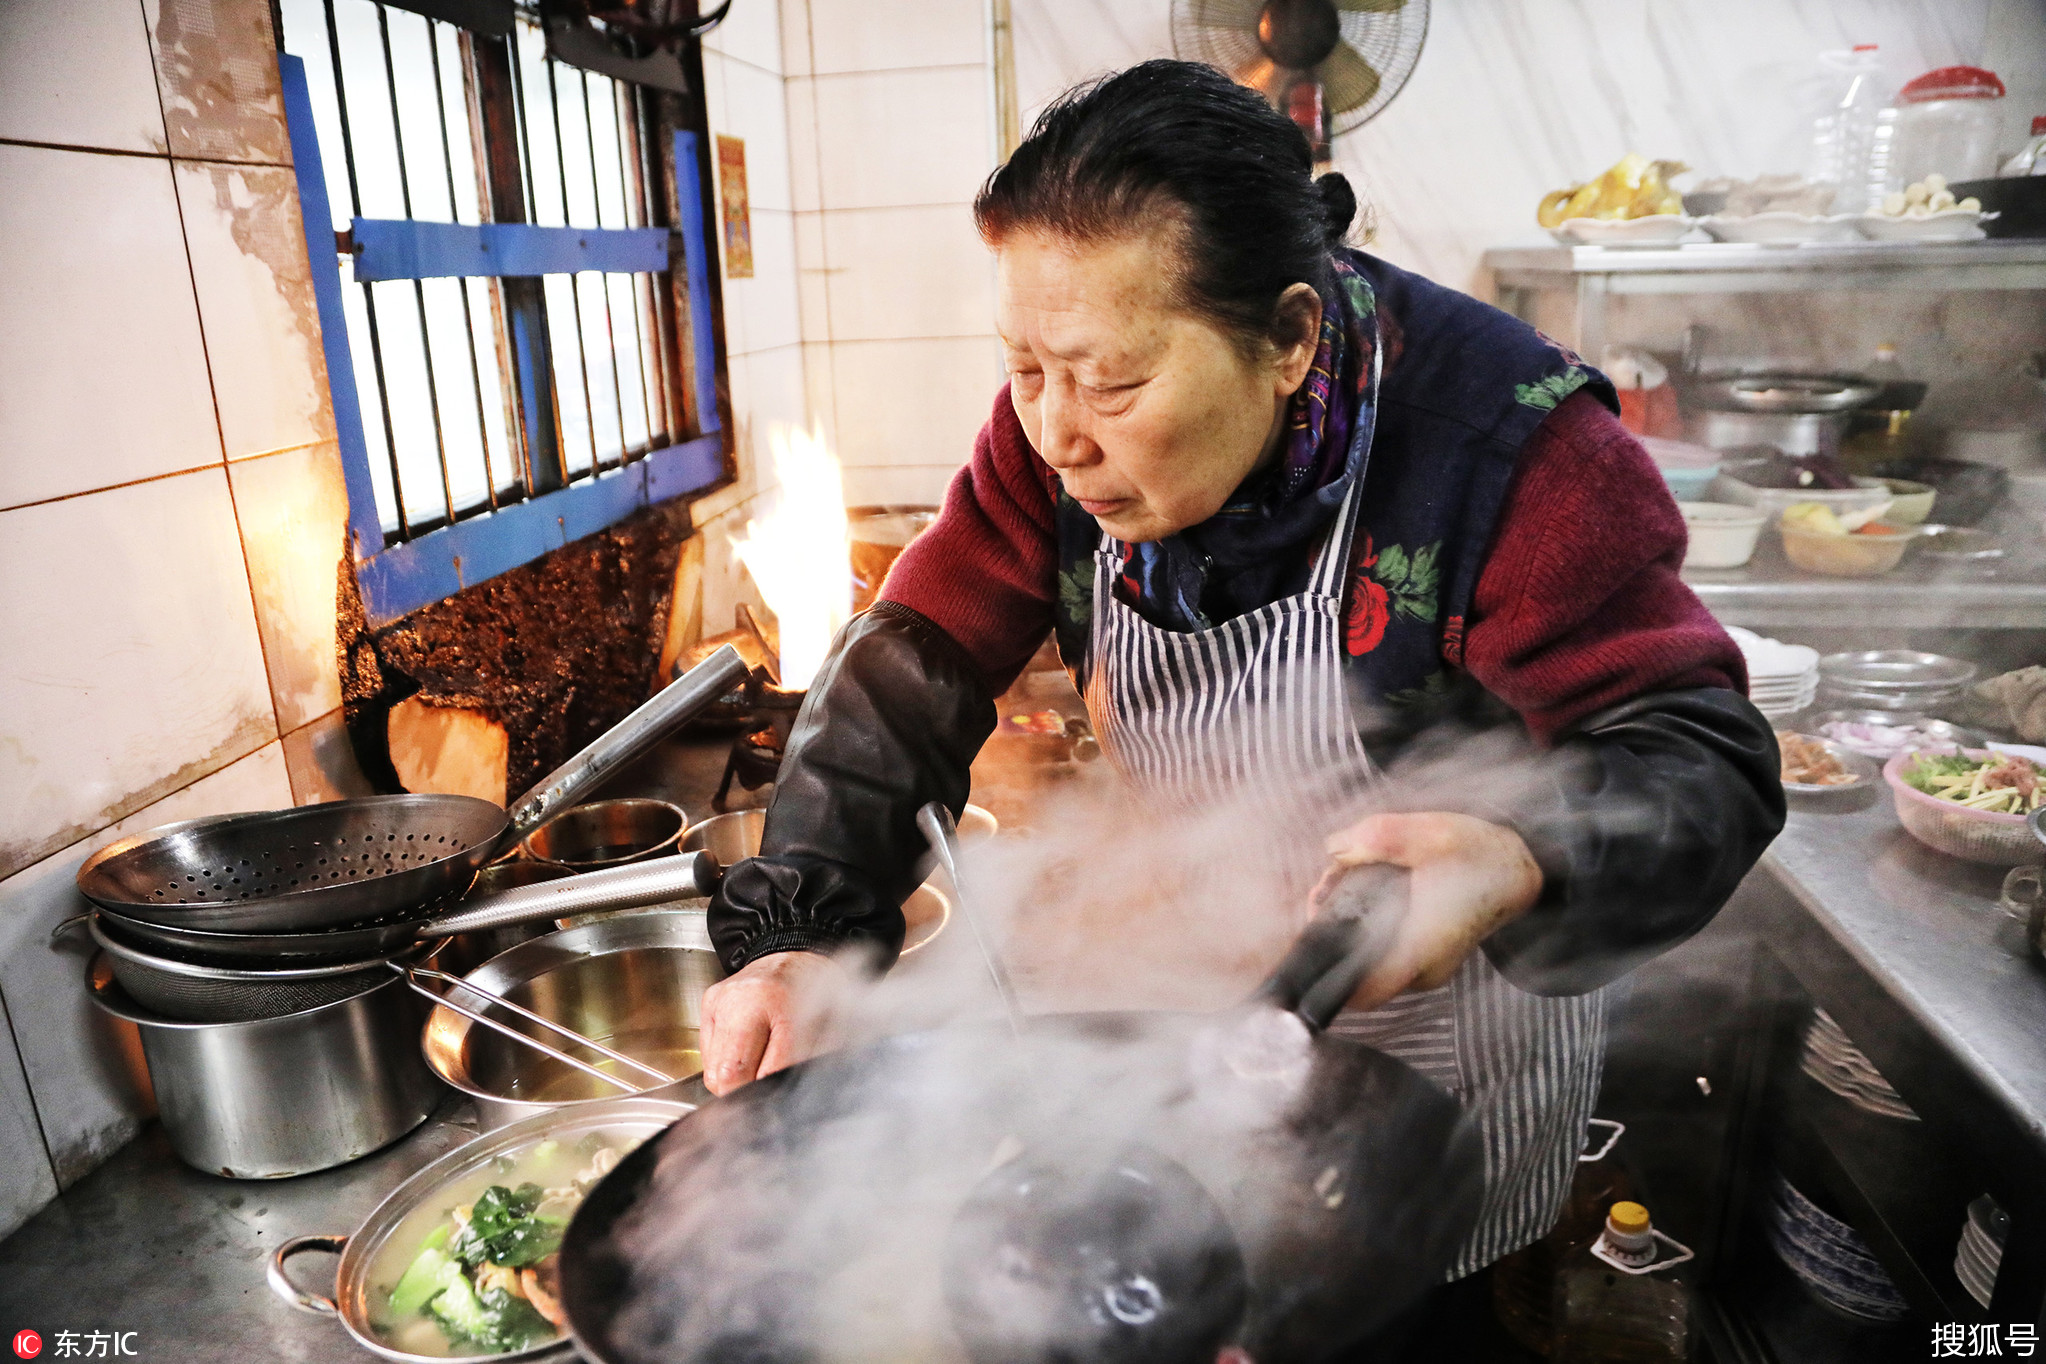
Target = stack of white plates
(1842,1067)
(1981,1250)
(1894,679)
(1782,678)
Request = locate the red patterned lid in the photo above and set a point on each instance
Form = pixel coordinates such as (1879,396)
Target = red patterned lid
(1952,82)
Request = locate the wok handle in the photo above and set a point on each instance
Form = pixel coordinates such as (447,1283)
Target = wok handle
(1361,912)
(673,706)
(280,1280)
(683,876)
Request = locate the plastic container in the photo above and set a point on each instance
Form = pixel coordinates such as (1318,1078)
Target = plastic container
(1731,487)
(1524,1282)
(1690,485)
(1985,836)
(1615,1308)
(1854,91)
(1846,556)
(1948,123)
(1722,535)
(1910,503)
(2030,159)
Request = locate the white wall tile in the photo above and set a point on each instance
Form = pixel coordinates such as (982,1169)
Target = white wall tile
(86,1071)
(751,33)
(778,392)
(292,508)
(756,110)
(102,373)
(800,94)
(78,72)
(320,761)
(905,272)
(888,35)
(26,1179)
(216,68)
(256,305)
(810,253)
(903,137)
(714,67)
(795,37)
(820,388)
(913,402)
(761,312)
(916,485)
(128,653)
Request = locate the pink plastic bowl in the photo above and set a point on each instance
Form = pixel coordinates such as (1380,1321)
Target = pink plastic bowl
(1975,835)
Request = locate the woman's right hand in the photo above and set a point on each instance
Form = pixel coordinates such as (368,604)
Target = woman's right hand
(770,1014)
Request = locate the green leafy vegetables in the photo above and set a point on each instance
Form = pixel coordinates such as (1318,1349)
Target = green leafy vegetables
(503,1229)
(2000,783)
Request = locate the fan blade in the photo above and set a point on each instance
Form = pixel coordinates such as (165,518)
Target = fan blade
(1269,79)
(1238,15)
(1347,80)
(1371,6)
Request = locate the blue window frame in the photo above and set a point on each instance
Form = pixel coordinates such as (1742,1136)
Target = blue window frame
(518,362)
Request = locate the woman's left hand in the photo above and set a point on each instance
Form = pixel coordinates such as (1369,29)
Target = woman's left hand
(1470,877)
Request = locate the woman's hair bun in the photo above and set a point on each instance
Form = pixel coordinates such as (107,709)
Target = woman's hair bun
(1338,202)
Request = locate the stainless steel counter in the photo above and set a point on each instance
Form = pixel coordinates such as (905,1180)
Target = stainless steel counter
(1908,950)
(147,1244)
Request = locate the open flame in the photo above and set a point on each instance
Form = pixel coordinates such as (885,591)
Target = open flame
(797,551)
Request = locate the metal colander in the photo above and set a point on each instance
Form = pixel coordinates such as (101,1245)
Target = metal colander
(192,993)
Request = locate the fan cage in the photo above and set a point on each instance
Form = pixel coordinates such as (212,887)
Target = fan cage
(1223,34)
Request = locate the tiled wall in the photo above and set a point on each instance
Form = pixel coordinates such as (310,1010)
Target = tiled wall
(743,91)
(1513,98)
(890,133)
(171,504)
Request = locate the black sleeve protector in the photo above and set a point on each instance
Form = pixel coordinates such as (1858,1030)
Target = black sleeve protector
(892,722)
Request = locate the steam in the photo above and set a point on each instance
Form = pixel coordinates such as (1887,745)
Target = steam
(808,1217)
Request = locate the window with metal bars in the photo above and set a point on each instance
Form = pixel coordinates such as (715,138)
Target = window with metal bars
(514,286)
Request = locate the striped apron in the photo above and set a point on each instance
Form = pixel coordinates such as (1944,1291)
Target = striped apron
(1257,706)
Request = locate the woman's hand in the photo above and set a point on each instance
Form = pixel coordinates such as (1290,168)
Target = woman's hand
(1469,878)
(770,1014)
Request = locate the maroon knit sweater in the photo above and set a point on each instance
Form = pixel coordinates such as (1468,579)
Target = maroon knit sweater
(1579,605)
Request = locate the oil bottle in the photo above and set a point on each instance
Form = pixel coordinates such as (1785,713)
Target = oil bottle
(1620,1300)
(1524,1283)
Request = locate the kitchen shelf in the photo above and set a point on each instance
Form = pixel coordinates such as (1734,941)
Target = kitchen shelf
(1595,273)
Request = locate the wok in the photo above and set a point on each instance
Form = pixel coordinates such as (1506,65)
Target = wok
(760,1227)
(352,861)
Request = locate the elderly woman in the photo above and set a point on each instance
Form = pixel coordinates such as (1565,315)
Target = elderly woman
(1237,459)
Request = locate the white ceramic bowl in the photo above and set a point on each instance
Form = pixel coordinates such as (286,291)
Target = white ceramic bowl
(1948,225)
(1658,229)
(1722,535)
(1780,229)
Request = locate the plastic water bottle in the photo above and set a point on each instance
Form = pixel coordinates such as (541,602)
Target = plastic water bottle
(1606,1315)
(1854,93)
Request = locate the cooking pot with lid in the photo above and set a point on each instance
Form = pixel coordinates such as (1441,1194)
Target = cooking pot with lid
(1799,414)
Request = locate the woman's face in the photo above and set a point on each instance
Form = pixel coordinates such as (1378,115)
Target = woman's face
(1150,416)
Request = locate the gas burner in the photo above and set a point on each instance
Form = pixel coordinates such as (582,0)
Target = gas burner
(755,758)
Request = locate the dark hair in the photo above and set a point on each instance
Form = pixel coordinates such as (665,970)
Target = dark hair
(1182,140)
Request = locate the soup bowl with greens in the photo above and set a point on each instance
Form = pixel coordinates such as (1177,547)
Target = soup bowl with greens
(458,1262)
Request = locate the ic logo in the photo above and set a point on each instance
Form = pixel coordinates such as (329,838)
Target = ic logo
(27,1344)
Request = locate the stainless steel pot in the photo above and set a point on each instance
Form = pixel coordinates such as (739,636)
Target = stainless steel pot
(607,833)
(357,1300)
(284,1096)
(1799,414)
(634,982)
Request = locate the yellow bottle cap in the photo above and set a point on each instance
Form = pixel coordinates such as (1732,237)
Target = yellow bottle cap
(1629,1219)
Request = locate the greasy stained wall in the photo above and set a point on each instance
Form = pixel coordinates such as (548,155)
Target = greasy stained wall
(171,502)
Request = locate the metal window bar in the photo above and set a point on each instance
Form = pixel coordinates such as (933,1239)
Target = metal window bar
(455,380)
